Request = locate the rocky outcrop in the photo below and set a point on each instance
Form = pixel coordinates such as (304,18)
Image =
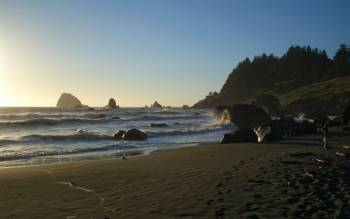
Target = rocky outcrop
(112,104)
(185,107)
(156,105)
(67,100)
(346,115)
(134,135)
(130,135)
(245,116)
(270,103)
(119,135)
(242,135)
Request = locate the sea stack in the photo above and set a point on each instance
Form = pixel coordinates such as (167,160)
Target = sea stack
(112,104)
(67,100)
(156,105)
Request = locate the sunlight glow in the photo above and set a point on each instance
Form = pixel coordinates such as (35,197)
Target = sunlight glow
(4,98)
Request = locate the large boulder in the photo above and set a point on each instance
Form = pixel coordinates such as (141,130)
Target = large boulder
(245,116)
(241,135)
(346,115)
(156,105)
(112,104)
(119,135)
(270,103)
(67,100)
(134,135)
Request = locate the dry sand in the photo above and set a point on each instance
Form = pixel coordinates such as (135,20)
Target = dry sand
(288,179)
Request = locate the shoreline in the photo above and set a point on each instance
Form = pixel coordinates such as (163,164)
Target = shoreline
(279,179)
(52,160)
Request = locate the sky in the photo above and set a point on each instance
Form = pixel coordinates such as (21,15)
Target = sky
(139,51)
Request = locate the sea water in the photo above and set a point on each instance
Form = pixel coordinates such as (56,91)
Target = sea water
(42,135)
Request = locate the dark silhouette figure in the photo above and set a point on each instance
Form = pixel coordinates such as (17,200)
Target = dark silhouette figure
(324,129)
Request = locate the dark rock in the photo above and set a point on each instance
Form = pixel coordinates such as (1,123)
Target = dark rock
(196,114)
(112,104)
(185,107)
(242,135)
(305,127)
(119,135)
(245,116)
(346,115)
(177,123)
(156,105)
(347,127)
(67,100)
(159,125)
(270,103)
(134,134)
(288,127)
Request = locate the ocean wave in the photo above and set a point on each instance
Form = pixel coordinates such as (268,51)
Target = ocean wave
(80,136)
(32,116)
(203,130)
(51,122)
(75,137)
(18,156)
(162,118)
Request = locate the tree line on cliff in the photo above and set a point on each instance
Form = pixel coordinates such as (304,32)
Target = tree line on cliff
(298,67)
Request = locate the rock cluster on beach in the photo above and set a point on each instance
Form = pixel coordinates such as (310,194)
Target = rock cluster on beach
(250,119)
(67,100)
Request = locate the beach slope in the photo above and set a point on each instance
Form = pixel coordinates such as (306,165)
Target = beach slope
(291,178)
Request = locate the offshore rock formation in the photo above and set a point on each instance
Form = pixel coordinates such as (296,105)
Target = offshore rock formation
(156,105)
(67,100)
(112,104)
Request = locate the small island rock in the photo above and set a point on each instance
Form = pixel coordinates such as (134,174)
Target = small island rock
(112,104)
(67,100)
(156,105)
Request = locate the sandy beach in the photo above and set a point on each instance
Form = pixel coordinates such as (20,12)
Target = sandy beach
(293,178)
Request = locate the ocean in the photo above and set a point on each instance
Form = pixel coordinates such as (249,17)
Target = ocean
(48,135)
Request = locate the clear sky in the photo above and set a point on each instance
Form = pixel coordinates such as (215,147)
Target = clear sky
(138,51)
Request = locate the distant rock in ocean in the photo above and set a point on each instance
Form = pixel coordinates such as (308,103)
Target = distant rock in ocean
(112,104)
(185,107)
(156,105)
(67,100)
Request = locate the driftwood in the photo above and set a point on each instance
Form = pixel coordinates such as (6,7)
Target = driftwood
(319,160)
(309,174)
(340,154)
(346,146)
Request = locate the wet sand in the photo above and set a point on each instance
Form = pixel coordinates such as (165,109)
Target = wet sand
(293,178)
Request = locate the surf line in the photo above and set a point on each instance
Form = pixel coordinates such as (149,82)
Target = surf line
(80,188)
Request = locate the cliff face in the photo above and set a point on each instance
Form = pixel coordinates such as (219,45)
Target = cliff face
(67,100)
(303,78)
